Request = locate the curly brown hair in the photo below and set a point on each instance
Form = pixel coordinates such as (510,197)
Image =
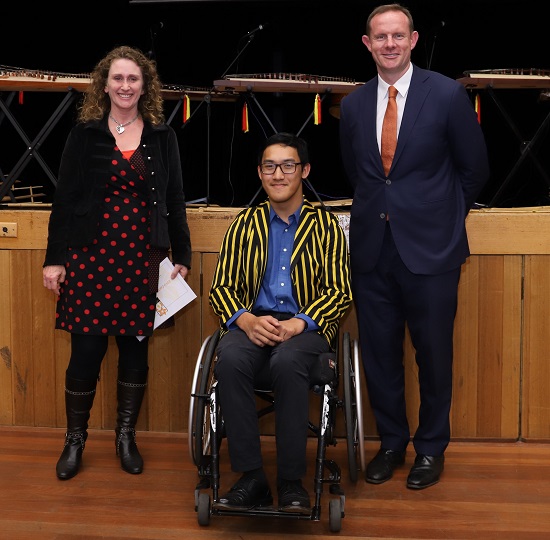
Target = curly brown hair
(96,103)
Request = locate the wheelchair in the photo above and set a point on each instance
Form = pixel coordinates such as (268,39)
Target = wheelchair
(206,431)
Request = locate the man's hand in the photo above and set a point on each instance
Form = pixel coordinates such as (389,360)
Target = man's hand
(266,330)
(292,327)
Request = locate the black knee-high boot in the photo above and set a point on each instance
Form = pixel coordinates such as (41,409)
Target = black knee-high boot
(131,387)
(79,398)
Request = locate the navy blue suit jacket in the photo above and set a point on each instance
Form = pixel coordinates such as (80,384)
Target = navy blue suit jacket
(439,168)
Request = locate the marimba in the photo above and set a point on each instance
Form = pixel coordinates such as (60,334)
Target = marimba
(286,82)
(513,79)
(21,80)
(507,79)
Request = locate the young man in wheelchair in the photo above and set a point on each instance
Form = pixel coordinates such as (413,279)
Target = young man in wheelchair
(280,288)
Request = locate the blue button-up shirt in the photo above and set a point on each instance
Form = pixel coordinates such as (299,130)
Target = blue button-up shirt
(276,292)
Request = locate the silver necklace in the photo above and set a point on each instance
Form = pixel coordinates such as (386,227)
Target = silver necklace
(120,127)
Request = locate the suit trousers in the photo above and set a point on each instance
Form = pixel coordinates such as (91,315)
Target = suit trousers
(241,367)
(387,299)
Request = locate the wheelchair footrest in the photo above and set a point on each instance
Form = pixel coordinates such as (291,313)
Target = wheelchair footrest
(271,511)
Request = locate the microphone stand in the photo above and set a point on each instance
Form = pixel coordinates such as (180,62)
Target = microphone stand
(436,31)
(208,99)
(432,52)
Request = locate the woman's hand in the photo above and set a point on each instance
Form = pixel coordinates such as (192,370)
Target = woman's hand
(53,276)
(179,269)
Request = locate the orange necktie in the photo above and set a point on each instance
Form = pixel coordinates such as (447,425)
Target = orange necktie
(389,130)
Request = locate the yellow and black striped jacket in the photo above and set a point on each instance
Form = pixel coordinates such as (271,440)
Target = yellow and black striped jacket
(319,266)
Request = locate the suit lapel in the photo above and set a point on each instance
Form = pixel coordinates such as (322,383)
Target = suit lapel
(418,92)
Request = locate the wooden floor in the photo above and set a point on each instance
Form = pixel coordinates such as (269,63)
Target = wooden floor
(488,490)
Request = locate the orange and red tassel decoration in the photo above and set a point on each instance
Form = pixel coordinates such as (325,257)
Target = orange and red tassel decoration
(245,118)
(186,108)
(20,97)
(317,110)
(477,106)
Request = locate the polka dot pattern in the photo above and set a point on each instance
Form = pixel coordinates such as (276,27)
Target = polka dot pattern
(108,289)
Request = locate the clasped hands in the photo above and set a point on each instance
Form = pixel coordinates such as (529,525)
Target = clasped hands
(267,330)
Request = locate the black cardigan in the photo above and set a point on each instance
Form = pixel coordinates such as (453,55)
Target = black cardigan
(83,175)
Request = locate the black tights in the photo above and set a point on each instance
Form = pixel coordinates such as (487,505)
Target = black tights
(87,353)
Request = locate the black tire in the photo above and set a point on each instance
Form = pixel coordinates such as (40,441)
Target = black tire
(360,435)
(203,510)
(199,413)
(350,409)
(194,401)
(335,515)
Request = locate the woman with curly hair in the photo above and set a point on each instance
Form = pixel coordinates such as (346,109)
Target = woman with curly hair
(118,209)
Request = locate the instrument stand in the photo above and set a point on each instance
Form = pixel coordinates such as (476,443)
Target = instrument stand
(34,145)
(526,152)
(208,100)
(308,119)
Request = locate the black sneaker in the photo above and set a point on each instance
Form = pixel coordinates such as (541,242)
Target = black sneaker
(293,497)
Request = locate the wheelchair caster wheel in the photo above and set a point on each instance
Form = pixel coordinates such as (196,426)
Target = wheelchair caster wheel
(335,515)
(203,509)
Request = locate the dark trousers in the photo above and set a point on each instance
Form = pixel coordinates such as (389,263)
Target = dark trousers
(386,299)
(242,366)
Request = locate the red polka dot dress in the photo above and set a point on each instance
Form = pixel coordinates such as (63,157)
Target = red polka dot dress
(110,288)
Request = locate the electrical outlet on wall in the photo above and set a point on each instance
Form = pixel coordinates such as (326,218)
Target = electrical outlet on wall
(8,230)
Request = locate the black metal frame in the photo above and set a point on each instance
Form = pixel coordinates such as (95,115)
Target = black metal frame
(32,146)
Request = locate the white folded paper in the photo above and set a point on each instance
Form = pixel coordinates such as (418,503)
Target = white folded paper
(173,294)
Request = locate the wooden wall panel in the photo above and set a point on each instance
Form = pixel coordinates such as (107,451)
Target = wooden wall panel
(466,350)
(512,316)
(186,339)
(171,362)
(536,356)
(487,349)
(43,345)
(22,338)
(501,363)
(6,360)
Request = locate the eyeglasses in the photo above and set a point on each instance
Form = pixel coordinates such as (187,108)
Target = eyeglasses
(288,167)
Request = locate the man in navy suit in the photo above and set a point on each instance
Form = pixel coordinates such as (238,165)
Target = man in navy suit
(408,237)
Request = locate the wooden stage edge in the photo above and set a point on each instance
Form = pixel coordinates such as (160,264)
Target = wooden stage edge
(491,231)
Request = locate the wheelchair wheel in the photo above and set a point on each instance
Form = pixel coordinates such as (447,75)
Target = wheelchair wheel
(199,411)
(352,410)
(203,509)
(335,515)
(359,404)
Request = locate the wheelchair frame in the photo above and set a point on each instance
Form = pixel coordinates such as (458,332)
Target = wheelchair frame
(206,433)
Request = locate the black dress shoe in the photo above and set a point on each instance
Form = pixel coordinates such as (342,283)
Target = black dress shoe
(381,467)
(247,493)
(425,472)
(293,497)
